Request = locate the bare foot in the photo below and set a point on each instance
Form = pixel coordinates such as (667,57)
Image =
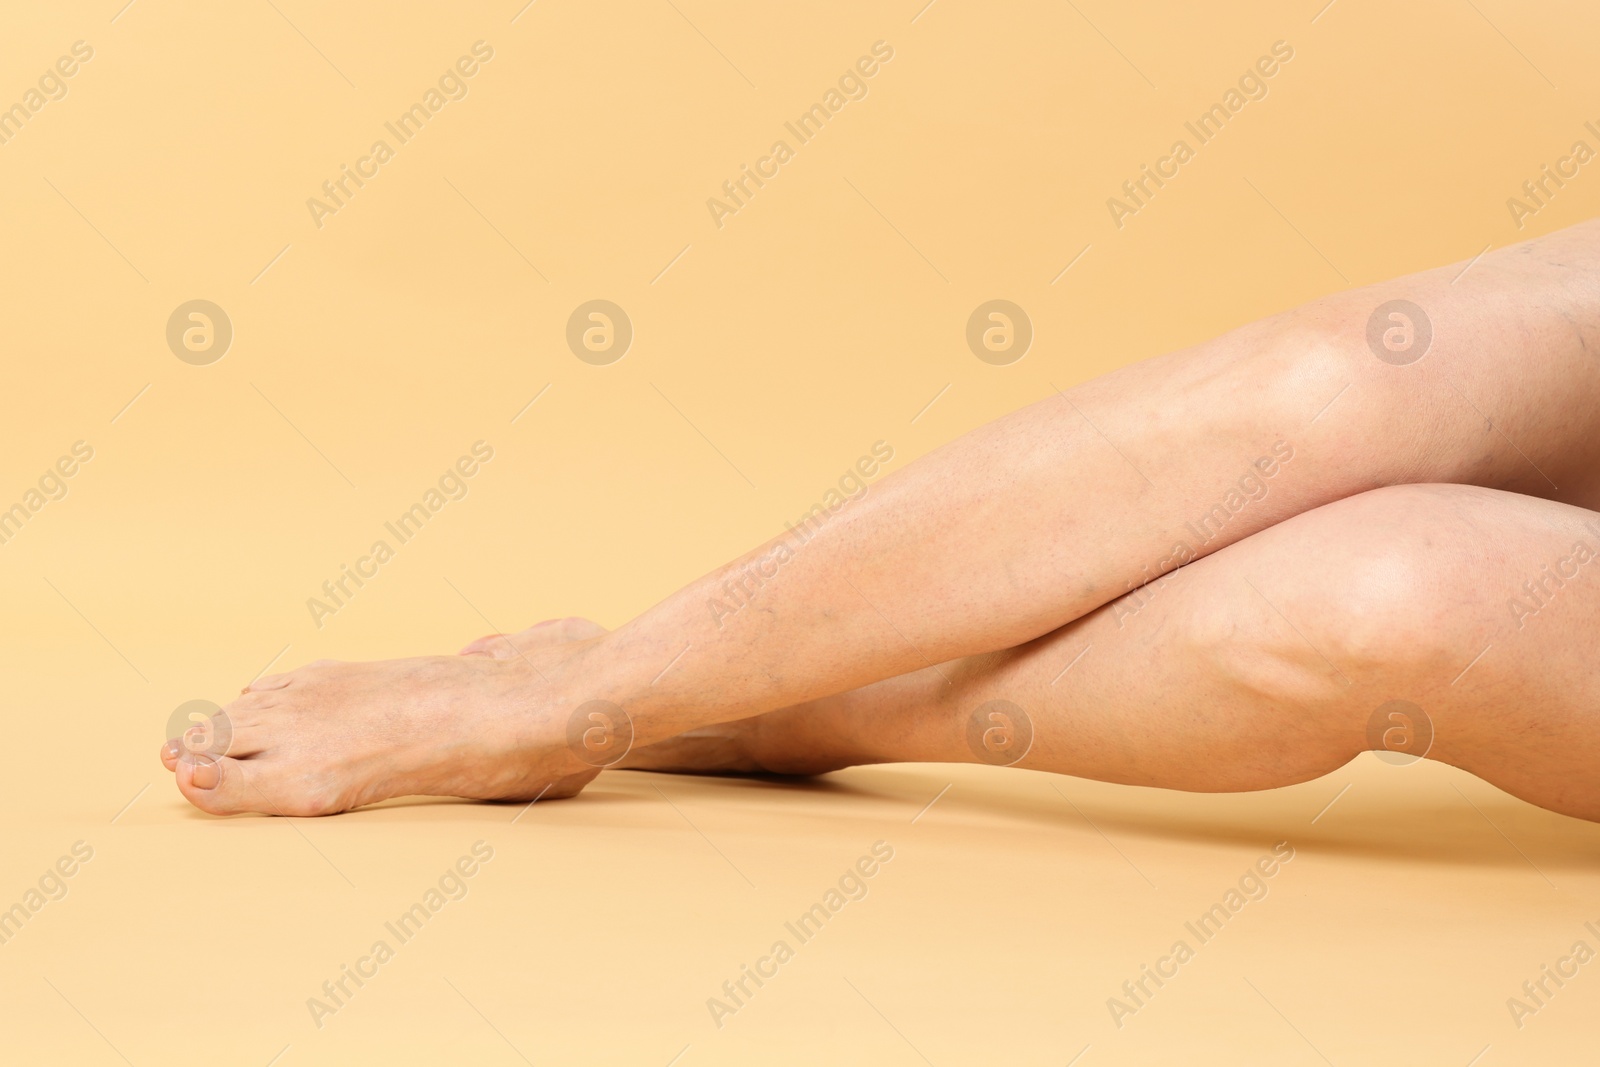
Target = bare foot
(333,736)
(488,724)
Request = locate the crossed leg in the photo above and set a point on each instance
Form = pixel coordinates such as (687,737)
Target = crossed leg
(1002,537)
(1451,621)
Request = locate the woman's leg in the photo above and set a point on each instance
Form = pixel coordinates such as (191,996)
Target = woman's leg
(1273,661)
(998,538)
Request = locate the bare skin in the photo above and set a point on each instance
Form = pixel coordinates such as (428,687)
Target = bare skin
(991,543)
(1265,664)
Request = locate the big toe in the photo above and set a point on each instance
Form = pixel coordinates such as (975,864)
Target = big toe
(215,786)
(227,786)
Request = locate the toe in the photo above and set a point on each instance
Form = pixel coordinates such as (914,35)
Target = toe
(505,646)
(211,738)
(228,786)
(247,740)
(268,682)
(483,646)
(215,786)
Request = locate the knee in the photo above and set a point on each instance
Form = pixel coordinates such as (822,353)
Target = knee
(1417,577)
(1380,576)
(1365,591)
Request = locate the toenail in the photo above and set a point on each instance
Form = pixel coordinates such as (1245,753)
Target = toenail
(198,728)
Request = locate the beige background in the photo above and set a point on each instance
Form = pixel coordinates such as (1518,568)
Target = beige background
(769,353)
